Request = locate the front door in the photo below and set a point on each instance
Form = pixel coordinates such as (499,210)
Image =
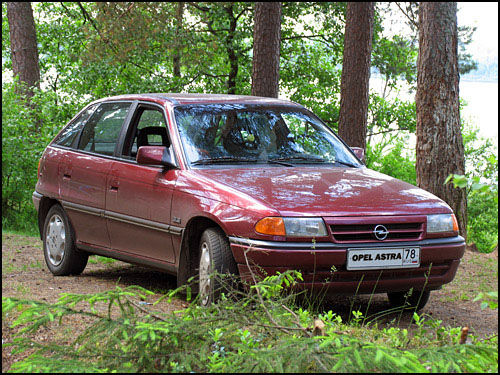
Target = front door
(138,197)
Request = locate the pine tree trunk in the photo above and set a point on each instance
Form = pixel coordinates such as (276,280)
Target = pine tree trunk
(23,44)
(440,149)
(266,49)
(356,73)
(178,26)
(230,49)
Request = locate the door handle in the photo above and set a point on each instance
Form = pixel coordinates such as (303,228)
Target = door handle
(67,176)
(113,188)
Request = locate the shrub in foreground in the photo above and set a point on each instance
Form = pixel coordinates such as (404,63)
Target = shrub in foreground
(257,331)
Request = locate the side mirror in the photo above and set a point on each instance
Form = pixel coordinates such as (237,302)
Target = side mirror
(155,155)
(359,152)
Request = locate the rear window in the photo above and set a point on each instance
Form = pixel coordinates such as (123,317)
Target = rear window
(68,135)
(101,132)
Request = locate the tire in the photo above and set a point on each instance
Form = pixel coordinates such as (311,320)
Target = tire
(61,255)
(215,256)
(400,299)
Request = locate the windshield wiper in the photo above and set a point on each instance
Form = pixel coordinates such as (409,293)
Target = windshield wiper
(310,159)
(278,161)
(223,159)
(345,163)
(299,158)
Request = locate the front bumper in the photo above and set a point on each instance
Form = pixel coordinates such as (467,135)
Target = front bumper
(323,264)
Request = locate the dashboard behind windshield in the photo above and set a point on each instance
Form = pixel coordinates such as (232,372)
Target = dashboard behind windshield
(238,133)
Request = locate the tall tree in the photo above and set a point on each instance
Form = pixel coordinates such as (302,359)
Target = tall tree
(23,45)
(266,49)
(178,27)
(440,149)
(356,73)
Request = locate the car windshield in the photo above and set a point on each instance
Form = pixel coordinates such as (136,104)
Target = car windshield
(243,134)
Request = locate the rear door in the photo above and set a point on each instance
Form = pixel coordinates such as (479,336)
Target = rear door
(85,170)
(138,197)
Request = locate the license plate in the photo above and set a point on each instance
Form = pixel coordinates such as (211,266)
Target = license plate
(381,258)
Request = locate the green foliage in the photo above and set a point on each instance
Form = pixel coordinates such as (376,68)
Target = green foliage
(311,56)
(26,131)
(392,156)
(482,223)
(249,334)
(482,201)
(481,183)
(395,59)
(390,115)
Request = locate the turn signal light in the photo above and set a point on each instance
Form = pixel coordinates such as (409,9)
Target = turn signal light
(455,223)
(273,226)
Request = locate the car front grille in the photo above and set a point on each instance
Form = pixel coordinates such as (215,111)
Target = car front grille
(355,230)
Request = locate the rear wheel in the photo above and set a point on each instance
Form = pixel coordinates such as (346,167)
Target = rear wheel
(215,256)
(417,299)
(61,255)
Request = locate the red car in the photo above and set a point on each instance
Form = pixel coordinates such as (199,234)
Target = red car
(193,183)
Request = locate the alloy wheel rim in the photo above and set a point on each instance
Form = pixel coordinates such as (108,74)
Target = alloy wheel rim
(205,280)
(55,240)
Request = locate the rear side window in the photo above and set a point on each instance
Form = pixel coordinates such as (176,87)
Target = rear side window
(101,132)
(69,133)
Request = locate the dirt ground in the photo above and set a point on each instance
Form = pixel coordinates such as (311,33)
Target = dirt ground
(24,275)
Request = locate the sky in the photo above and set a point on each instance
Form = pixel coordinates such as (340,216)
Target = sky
(482,15)
(485,17)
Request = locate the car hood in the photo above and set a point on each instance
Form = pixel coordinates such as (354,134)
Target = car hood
(327,191)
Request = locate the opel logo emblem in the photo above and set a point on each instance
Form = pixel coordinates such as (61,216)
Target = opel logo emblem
(380,232)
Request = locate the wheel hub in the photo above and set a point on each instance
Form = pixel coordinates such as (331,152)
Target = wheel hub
(55,240)
(205,270)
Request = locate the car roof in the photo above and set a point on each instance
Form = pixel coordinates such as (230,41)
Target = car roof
(183,98)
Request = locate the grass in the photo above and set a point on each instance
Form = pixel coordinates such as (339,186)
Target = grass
(13,247)
(97,259)
(23,289)
(481,275)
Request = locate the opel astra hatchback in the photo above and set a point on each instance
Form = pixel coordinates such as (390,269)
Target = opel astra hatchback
(193,184)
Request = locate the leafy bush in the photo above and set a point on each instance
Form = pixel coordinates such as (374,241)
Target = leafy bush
(481,183)
(249,334)
(26,131)
(391,156)
(482,222)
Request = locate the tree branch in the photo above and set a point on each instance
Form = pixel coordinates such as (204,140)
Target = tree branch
(111,45)
(195,5)
(242,12)
(407,16)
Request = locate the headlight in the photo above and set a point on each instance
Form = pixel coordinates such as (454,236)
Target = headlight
(292,226)
(442,223)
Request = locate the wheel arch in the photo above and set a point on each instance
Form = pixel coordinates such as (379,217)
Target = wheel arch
(189,252)
(45,205)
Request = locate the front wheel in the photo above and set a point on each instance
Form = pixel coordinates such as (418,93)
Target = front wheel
(215,256)
(61,255)
(417,299)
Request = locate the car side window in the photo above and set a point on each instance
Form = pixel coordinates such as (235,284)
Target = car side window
(70,132)
(101,132)
(148,129)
